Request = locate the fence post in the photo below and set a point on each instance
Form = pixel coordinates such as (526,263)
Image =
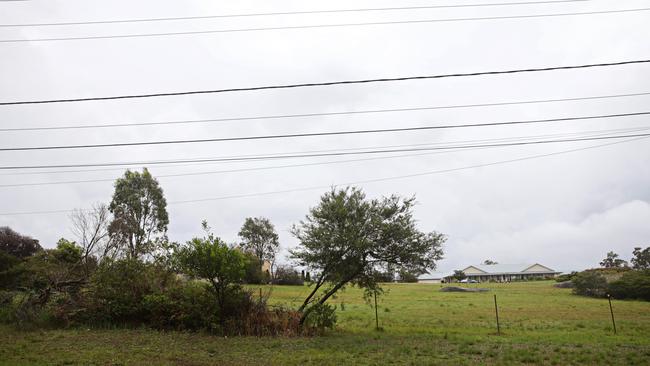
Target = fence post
(496,310)
(376,313)
(611,311)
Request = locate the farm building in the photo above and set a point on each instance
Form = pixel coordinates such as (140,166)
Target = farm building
(435,277)
(508,272)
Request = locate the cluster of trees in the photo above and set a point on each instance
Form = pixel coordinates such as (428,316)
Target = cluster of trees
(616,278)
(122,269)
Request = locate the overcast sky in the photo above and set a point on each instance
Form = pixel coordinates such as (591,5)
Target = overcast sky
(564,211)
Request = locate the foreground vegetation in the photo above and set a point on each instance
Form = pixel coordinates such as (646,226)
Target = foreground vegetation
(540,325)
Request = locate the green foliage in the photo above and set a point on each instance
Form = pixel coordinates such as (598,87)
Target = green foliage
(211,259)
(17,245)
(184,306)
(259,237)
(459,275)
(11,270)
(632,285)
(118,290)
(347,238)
(384,276)
(589,283)
(254,274)
(566,277)
(140,215)
(641,259)
(612,261)
(321,316)
(286,275)
(67,252)
(409,277)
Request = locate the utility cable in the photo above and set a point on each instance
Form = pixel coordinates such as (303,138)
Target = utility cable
(329,83)
(382,179)
(321,114)
(319,134)
(348,153)
(320,26)
(304,12)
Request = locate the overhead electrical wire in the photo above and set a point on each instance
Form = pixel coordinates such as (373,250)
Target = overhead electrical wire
(329,83)
(366,181)
(396,177)
(343,153)
(318,134)
(304,12)
(317,26)
(174,163)
(317,114)
(331,162)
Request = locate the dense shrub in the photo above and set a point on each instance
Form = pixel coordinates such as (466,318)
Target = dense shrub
(589,283)
(184,306)
(407,277)
(118,290)
(632,285)
(285,275)
(11,271)
(566,277)
(254,274)
(321,316)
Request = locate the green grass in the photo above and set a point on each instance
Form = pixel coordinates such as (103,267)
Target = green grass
(540,325)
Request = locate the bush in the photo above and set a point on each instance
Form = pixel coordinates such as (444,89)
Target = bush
(566,277)
(407,277)
(632,285)
(184,306)
(589,283)
(118,290)
(321,316)
(287,276)
(254,274)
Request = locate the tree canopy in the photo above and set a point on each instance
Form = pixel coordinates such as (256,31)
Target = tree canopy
(612,261)
(139,213)
(17,245)
(259,237)
(211,259)
(346,238)
(641,259)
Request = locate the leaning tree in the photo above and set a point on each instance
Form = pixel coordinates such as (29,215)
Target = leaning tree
(347,238)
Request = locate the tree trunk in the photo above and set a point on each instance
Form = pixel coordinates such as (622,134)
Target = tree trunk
(313,292)
(327,296)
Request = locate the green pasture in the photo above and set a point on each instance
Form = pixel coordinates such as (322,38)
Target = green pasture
(419,324)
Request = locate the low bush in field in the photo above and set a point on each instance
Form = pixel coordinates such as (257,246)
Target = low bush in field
(589,283)
(287,276)
(566,277)
(321,316)
(632,285)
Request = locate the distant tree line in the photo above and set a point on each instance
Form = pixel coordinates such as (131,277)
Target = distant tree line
(615,278)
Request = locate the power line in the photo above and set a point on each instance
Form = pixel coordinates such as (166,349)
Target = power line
(143,20)
(321,114)
(329,83)
(396,177)
(382,179)
(342,153)
(315,134)
(316,26)
(201,160)
(158,176)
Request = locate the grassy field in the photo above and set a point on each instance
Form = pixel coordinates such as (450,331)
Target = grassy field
(540,325)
